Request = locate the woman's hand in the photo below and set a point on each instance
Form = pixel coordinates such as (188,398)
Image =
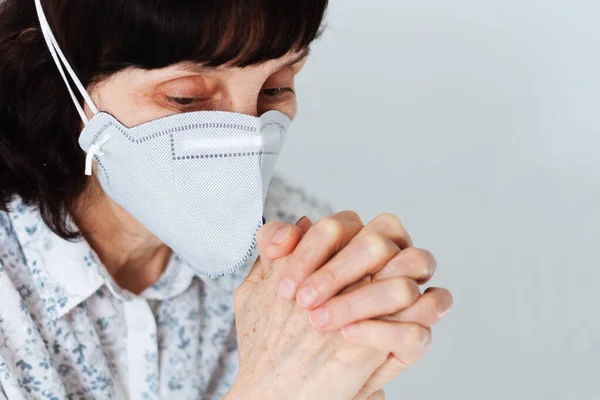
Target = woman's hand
(365,279)
(281,355)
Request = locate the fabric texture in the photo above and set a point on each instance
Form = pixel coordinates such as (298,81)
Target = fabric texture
(67,331)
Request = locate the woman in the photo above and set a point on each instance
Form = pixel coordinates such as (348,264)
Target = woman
(118,263)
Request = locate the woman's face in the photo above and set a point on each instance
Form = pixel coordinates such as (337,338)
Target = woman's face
(135,96)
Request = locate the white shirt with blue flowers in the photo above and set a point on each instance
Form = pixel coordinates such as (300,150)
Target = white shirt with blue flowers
(67,331)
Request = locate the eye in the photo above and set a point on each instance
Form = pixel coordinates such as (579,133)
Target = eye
(188,93)
(182,101)
(186,104)
(277,92)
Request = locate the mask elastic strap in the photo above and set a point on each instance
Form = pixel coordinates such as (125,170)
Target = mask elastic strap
(58,56)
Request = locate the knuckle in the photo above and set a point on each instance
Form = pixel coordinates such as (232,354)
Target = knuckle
(388,218)
(374,244)
(329,227)
(428,259)
(403,292)
(410,257)
(391,221)
(349,214)
(415,342)
(417,337)
(422,259)
(394,227)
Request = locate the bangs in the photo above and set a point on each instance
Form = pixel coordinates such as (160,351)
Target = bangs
(153,34)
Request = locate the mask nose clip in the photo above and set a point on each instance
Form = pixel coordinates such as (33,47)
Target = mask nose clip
(95,150)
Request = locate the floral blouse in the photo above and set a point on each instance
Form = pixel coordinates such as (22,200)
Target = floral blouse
(68,331)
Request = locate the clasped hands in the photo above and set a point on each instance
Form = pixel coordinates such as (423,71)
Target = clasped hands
(333,310)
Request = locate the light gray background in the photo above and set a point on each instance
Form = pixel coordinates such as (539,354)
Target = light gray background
(477,123)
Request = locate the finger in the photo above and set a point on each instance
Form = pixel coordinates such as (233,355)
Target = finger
(390,226)
(407,342)
(385,374)
(366,254)
(322,241)
(276,240)
(370,393)
(428,310)
(382,238)
(304,224)
(417,264)
(367,280)
(370,301)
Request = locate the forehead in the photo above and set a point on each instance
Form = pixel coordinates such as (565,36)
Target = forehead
(141,78)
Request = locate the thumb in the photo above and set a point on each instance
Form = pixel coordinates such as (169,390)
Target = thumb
(274,240)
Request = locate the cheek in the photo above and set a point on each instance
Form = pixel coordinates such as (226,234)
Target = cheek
(293,110)
(289,108)
(128,105)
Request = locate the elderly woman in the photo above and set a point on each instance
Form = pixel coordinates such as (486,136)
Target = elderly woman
(137,143)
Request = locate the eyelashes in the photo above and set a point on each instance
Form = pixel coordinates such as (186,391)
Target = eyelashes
(269,95)
(277,92)
(182,101)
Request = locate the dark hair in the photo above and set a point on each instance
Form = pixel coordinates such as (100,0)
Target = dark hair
(40,159)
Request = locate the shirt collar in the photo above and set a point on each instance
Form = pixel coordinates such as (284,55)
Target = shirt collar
(176,278)
(66,273)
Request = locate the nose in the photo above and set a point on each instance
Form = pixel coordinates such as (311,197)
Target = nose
(241,103)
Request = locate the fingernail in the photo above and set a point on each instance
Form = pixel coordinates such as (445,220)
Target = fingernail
(307,297)
(287,289)
(304,224)
(301,220)
(319,318)
(282,234)
(444,313)
(350,331)
(426,342)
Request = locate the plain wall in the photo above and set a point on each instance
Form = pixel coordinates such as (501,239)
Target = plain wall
(477,123)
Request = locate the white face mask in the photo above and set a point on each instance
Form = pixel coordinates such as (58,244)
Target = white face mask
(198,180)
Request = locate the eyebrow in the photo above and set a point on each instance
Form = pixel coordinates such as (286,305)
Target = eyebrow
(198,68)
